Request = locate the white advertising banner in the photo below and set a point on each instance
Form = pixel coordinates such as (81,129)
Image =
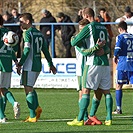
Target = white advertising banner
(65,77)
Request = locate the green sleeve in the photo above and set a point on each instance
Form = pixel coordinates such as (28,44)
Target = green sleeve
(24,55)
(47,55)
(88,52)
(84,33)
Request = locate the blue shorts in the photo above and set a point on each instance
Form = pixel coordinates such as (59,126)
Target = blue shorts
(124,77)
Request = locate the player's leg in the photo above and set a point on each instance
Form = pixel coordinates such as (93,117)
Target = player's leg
(4,102)
(7,95)
(95,104)
(105,85)
(28,80)
(109,106)
(84,103)
(2,116)
(30,98)
(2,98)
(118,98)
(121,78)
(16,106)
(85,100)
(37,107)
(79,89)
(88,84)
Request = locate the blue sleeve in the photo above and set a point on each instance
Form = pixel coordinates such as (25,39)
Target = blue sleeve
(118,46)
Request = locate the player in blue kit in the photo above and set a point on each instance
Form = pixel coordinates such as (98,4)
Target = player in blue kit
(123,57)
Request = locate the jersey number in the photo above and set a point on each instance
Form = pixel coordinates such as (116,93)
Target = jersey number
(130,45)
(39,42)
(102,35)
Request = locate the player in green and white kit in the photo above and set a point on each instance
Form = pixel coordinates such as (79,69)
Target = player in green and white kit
(97,71)
(7,54)
(80,63)
(34,43)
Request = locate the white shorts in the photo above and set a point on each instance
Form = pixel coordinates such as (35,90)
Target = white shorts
(95,77)
(5,79)
(29,78)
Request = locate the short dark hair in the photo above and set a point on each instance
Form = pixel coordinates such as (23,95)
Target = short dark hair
(60,14)
(15,9)
(128,9)
(102,9)
(122,25)
(27,16)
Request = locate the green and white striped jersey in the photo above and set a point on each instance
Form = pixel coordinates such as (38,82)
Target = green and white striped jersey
(7,53)
(90,33)
(34,43)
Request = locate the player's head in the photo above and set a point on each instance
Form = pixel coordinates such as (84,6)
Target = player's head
(128,12)
(83,23)
(102,11)
(122,27)
(14,12)
(45,12)
(88,13)
(26,20)
(60,16)
(1,20)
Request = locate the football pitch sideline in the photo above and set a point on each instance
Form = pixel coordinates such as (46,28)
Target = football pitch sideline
(60,106)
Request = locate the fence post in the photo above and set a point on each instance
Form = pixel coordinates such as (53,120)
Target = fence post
(52,41)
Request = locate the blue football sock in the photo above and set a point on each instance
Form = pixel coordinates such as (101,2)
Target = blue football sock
(118,99)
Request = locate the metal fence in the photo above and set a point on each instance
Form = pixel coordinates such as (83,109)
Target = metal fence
(52,30)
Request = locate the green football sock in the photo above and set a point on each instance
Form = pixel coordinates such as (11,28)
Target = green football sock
(9,96)
(94,106)
(30,98)
(1,108)
(109,105)
(83,106)
(36,99)
(4,102)
(86,113)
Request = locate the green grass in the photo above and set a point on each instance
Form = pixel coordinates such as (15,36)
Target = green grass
(63,104)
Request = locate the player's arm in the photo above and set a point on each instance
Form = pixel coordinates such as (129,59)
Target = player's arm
(117,49)
(26,50)
(84,33)
(47,54)
(92,50)
(14,57)
(48,58)
(88,52)
(117,46)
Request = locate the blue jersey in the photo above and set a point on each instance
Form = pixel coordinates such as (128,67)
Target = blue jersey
(124,51)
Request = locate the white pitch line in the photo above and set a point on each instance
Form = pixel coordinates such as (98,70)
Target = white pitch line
(61,120)
(130,116)
(6,122)
(49,120)
(54,120)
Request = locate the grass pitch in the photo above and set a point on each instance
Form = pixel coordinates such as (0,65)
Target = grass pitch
(60,106)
